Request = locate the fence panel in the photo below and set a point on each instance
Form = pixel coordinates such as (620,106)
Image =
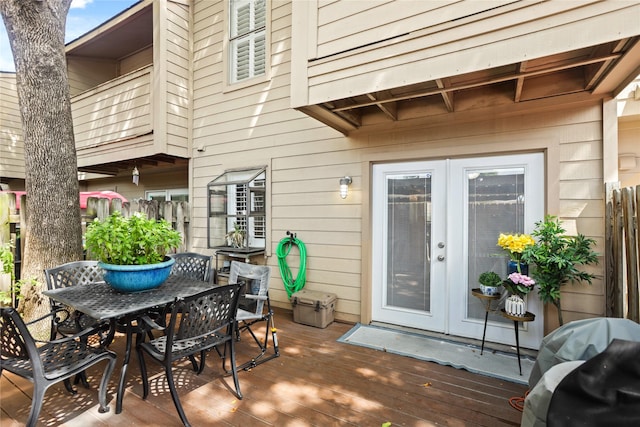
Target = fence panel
(176,213)
(623,247)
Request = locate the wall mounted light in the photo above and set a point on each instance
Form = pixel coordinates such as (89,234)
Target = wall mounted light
(344,186)
(136,175)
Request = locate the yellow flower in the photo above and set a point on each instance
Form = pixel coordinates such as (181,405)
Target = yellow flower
(515,243)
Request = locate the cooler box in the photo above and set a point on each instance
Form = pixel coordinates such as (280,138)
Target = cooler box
(313,308)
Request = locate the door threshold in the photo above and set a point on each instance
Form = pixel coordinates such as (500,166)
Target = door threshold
(488,345)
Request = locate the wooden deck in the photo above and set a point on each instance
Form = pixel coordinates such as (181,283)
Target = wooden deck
(315,382)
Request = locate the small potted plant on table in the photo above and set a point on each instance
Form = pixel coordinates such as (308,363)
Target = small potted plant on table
(489,283)
(132,251)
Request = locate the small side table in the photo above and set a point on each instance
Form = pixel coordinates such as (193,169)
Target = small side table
(486,301)
(527,317)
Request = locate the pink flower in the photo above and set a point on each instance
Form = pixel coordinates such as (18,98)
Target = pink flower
(519,284)
(521,279)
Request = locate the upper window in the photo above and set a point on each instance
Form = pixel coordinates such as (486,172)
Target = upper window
(247,39)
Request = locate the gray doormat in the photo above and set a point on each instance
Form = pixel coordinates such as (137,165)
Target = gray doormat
(461,356)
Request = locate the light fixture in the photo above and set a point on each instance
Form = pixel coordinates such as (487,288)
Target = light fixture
(344,186)
(136,175)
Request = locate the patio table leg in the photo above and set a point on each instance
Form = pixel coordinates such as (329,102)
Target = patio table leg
(125,364)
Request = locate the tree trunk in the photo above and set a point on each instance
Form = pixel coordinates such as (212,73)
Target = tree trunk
(36,31)
(559,307)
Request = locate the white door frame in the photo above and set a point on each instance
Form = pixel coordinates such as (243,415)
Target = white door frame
(449,283)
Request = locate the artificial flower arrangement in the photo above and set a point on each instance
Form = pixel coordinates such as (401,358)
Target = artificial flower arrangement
(519,284)
(515,244)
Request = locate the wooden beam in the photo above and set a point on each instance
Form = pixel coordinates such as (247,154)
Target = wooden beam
(522,67)
(390,108)
(447,97)
(504,78)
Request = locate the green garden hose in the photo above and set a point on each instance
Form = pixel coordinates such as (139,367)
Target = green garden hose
(283,249)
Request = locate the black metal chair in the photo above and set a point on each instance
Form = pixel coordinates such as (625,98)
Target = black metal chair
(73,274)
(48,362)
(255,279)
(193,265)
(197,324)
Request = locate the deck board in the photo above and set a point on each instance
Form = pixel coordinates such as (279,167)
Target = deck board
(316,382)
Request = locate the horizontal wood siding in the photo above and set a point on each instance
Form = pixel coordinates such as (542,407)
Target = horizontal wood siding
(11,140)
(136,60)
(255,126)
(117,110)
(177,84)
(410,42)
(87,73)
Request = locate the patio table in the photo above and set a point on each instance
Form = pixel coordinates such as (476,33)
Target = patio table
(102,302)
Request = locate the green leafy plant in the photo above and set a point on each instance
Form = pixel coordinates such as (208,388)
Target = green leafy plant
(557,257)
(235,237)
(136,240)
(490,278)
(6,267)
(6,259)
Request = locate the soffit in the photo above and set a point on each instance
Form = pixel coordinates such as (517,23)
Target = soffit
(124,167)
(580,70)
(117,38)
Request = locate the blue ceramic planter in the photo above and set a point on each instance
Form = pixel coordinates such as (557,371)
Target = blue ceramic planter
(135,278)
(512,267)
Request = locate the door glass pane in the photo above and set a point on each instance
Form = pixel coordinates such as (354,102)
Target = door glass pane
(408,239)
(495,205)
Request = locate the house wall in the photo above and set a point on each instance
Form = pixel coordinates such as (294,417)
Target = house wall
(177,86)
(136,60)
(255,125)
(150,179)
(118,110)
(87,73)
(11,145)
(363,47)
(629,134)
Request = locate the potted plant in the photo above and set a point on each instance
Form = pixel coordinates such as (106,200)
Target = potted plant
(132,246)
(514,245)
(489,283)
(556,257)
(518,285)
(235,237)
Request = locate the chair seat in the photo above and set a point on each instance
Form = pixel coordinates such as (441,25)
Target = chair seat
(45,363)
(59,360)
(157,348)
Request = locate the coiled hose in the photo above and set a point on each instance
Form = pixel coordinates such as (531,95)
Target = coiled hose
(284,247)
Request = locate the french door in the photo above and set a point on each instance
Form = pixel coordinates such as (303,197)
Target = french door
(435,228)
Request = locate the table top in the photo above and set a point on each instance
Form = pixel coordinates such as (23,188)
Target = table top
(100,301)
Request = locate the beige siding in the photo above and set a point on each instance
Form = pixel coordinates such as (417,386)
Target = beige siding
(87,73)
(255,125)
(176,77)
(117,110)
(136,60)
(422,42)
(11,142)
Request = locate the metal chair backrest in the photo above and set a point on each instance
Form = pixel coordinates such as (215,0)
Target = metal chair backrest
(192,265)
(203,316)
(17,346)
(73,273)
(258,277)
